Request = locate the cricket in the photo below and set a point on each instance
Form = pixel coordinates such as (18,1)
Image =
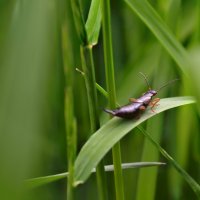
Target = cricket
(136,107)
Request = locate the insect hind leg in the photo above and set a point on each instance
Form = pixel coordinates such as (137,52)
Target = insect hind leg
(133,100)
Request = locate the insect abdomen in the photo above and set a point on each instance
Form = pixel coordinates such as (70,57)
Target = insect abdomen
(130,111)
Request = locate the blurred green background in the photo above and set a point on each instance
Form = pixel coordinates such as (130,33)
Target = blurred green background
(39,44)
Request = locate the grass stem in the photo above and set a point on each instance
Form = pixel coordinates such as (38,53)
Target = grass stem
(89,75)
(110,81)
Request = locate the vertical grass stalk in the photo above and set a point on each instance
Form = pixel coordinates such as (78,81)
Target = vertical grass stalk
(71,139)
(196,34)
(70,121)
(110,81)
(88,68)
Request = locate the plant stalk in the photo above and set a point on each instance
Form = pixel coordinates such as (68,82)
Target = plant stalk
(70,121)
(89,75)
(110,81)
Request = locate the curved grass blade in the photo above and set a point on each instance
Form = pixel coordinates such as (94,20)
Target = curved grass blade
(93,23)
(39,181)
(36,182)
(158,27)
(109,134)
(193,184)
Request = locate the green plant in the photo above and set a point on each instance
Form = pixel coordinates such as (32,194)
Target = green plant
(46,106)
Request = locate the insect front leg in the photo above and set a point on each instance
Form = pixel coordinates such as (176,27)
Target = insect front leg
(154,103)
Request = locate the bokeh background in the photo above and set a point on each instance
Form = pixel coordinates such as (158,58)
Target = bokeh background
(39,42)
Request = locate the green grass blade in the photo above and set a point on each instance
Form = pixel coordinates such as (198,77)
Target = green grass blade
(110,82)
(109,168)
(108,53)
(89,75)
(70,120)
(79,21)
(109,134)
(193,184)
(98,87)
(93,22)
(39,181)
(101,90)
(158,27)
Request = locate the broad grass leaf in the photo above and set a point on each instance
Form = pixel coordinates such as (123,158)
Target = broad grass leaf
(109,134)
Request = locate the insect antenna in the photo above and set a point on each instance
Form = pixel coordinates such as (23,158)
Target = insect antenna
(168,83)
(146,80)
